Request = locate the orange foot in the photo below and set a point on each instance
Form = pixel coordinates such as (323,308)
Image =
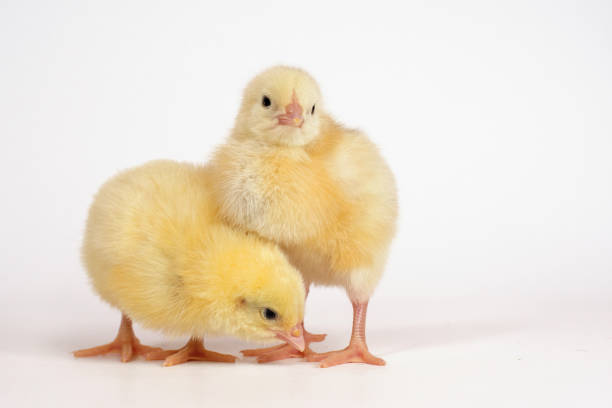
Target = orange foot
(354,353)
(193,351)
(284,351)
(125,343)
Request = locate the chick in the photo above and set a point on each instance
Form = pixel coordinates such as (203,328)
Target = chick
(293,175)
(155,249)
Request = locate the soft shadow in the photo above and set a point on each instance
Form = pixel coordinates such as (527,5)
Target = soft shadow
(393,340)
(382,341)
(66,342)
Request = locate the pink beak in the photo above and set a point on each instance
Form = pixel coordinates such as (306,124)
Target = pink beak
(293,113)
(295,337)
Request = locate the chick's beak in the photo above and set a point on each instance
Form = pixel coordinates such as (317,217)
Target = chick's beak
(295,337)
(293,115)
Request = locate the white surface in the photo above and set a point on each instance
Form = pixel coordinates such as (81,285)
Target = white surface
(494,117)
(464,352)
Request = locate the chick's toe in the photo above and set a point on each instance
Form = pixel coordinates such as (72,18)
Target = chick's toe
(284,351)
(126,344)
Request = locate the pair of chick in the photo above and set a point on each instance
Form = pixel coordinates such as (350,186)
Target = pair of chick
(290,174)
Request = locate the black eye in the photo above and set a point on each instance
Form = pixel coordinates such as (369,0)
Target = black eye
(268,314)
(265,101)
(312,111)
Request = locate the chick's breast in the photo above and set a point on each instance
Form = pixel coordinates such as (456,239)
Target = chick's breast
(332,205)
(280,193)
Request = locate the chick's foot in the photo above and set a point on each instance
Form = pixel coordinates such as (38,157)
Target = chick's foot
(276,353)
(354,353)
(126,344)
(193,351)
(313,338)
(357,350)
(284,351)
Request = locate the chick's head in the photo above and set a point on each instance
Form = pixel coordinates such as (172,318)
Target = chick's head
(280,106)
(252,292)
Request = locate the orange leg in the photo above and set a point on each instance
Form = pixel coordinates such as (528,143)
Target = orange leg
(285,351)
(193,351)
(125,343)
(357,350)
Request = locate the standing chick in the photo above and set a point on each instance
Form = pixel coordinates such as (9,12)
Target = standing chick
(295,176)
(155,249)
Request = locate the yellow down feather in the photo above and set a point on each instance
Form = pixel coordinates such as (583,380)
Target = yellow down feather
(155,249)
(322,191)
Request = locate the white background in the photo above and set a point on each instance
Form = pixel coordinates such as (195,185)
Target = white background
(495,117)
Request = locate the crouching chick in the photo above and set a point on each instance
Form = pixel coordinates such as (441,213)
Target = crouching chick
(155,249)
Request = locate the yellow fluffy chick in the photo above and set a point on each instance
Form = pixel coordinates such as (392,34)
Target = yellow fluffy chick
(155,249)
(292,174)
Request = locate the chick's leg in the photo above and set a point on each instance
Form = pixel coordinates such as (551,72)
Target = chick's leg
(125,343)
(193,351)
(357,350)
(285,351)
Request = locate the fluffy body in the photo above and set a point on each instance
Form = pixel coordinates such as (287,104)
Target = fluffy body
(155,249)
(322,191)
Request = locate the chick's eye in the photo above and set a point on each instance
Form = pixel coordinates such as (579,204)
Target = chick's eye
(312,110)
(269,314)
(265,101)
